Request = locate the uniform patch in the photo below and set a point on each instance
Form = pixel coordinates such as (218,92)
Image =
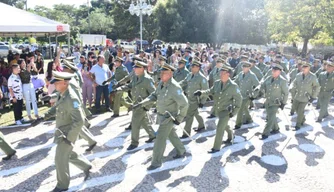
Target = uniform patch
(152,85)
(238,90)
(179,92)
(124,69)
(204,80)
(76,104)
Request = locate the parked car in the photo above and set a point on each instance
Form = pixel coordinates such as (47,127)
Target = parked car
(5,48)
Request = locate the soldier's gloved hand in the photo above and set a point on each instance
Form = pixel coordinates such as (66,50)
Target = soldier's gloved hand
(311,100)
(145,109)
(136,106)
(201,105)
(198,93)
(176,122)
(282,106)
(251,98)
(104,82)
(230,115)
(230,108)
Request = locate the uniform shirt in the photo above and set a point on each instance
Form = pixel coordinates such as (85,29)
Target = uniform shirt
(257,72)
(101,73)
(246,82)
(293,74)
(192,83)
(214,76)
(326,81)
(169,97)
(275,89)
(303,88)
(14,82)
(225,96)
(120,73)
(261,66)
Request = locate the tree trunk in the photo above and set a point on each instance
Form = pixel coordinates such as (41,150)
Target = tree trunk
(304,50)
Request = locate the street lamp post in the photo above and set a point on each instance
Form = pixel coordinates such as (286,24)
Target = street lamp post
(141,8)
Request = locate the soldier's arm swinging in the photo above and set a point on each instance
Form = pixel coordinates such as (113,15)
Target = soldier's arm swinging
(77,122)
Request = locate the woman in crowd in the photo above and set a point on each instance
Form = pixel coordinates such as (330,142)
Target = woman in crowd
(48,77)
(27,86)
(205,64)
(87,87)
(40,64)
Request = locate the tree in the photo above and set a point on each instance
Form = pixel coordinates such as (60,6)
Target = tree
(291,21)
(16,3)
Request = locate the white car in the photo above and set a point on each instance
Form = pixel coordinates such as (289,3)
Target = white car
(5,48)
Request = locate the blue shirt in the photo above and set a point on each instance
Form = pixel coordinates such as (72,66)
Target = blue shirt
(101,73)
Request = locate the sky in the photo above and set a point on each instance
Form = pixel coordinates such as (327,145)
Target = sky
(50,3)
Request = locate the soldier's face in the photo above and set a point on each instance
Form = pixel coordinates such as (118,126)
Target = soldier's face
(194,69)
(139,71)
(276,73)
(224,76)
(165,76)
(60,86)
(117,63)
(306,70)
(330,69)
(245,69)
(181,65)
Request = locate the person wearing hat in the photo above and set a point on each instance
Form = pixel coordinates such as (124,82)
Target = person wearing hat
(120,72)
(326,81)
(69,122)
(278,59)
(193,82)
(227,101)
(182,72)
(322,69)
(215,72)
(276,92)
(106,54)
(261,65)
(156,73)
(214,60)
(187,56)
(269,72)
(316,66)
(305,89)
(172,106)
(141,86)
(255,69)
(238,68)
(293,75)
(74,85)
(247,81)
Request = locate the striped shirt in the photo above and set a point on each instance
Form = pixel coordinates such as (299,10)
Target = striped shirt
(14,82)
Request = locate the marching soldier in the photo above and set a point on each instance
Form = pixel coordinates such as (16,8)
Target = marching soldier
(326,81)
(247,81)
(141,87)
(276,91)
(172,107)
(316,66)
(322,69)
(269,72)
(238,69)
(305,88)
(74,85)
(194,81)
(156,76)
(6,148)
(278,60)
(182,72)
(255,69)
(293,75)
(261,65)
(227,102)
(69,122)
(120,72)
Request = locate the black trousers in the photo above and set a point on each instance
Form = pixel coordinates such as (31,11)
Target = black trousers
(18,106)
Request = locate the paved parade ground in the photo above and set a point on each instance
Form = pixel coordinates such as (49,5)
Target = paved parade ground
(289,161)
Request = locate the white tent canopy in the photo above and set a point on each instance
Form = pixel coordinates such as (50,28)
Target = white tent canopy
(17,22)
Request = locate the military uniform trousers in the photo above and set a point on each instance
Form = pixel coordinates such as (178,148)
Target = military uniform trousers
(87,135)
(221,127)
(165,130)
(293,107)
(65,155)
(191,113)
(271,124)
(243,110)
(300,109)
(118,101)
(140,119)
(4,146)
(324,99)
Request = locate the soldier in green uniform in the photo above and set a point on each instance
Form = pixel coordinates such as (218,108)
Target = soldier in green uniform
(322,69)
(227,101)
(194,81)
(278,59)
(141,87)
(305,88)
(6,148)
(238,68)
(182,72)
(247,81)
(120,72)
(326,81)
(215,73)
(269,71)
(255,69)
(172,106)
(276,91)
(261,65)
(316,66)
(293,75)
(69,122)
(74,84)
